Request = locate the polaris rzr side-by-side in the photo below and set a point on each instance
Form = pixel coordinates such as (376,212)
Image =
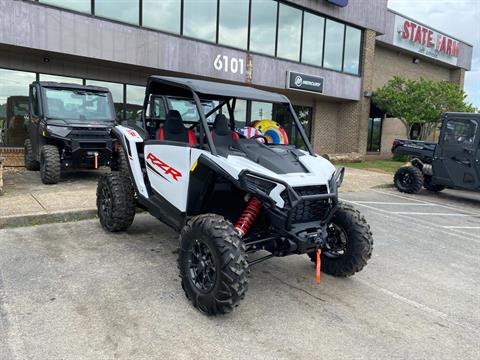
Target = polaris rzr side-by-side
(231,192)
(69,127)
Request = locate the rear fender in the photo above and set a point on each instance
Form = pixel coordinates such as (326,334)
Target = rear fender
(129,139)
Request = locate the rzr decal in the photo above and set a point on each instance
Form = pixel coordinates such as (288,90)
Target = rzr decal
(167,169)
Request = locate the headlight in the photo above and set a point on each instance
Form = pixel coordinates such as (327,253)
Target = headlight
(338,176)
(58,130)
(255,184)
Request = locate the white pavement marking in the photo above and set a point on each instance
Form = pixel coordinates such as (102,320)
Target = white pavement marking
(429,214)
(393,203)
(424,201)
(416,304)
(426,224)
(461,227)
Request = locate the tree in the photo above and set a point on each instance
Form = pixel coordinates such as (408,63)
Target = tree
(420,102)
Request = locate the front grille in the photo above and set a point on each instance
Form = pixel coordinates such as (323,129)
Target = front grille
(309,210)
(89,133)
(93,145)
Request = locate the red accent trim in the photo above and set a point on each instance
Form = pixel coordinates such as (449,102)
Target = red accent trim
(235,135)
(160,134)
(192,139)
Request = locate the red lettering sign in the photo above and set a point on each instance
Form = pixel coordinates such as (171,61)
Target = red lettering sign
(167,169)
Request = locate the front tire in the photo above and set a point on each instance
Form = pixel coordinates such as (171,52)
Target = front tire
(408,179)
(212,264)
(349,243)
(115,202)
(30,162)
(49,164)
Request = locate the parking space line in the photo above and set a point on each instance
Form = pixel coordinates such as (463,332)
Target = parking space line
(424,201)
(431,214)
(461,227)
(393,203)
(453,232)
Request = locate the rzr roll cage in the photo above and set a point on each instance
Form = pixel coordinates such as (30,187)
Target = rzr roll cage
(170,86)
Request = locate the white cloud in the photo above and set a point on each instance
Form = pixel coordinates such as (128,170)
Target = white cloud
(458,18)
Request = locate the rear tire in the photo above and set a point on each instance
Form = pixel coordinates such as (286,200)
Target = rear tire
(49,164)
(408,179)
(30,162)
(115,202)
(212,264)
(349,243)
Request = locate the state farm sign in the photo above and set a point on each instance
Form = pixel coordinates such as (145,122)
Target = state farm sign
(423,40)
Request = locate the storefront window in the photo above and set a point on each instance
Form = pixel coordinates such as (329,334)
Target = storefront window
(60,79)
(233,23)
(263,26)
(117,94)
(240,113)
(134,105)
(312,47)
(121,10)
(261,111)
(352,50)
(162,15)
(76,5)
(200,19)
(14,87)
(333,45)
(289,29)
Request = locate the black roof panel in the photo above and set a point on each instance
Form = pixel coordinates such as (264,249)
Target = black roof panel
(71,86)
(220,89)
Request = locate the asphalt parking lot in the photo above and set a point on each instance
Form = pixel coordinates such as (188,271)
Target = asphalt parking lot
(72,291)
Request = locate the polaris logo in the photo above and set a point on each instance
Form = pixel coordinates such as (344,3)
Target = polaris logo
(167,169)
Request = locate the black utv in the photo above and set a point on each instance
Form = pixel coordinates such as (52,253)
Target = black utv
(69,127)
(454,162)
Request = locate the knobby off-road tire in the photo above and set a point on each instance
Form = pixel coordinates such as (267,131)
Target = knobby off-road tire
(115,202)
(120,163)
(432,187)
(49,164)
(350,232)
(30,162)
(408,179)
(210,244)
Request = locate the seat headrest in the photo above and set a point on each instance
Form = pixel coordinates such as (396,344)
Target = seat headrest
(173,122)
(220,126)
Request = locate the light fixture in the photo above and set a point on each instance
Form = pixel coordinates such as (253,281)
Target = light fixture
(46,59)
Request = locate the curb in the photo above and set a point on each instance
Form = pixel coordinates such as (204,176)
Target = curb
(37,219)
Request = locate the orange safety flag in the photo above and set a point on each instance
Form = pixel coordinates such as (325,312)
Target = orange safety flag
(319,252)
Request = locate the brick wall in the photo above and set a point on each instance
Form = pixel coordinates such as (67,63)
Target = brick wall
(13,156)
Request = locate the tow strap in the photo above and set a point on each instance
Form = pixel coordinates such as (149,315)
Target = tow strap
(319,253)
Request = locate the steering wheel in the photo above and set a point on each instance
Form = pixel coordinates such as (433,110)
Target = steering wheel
(260,137)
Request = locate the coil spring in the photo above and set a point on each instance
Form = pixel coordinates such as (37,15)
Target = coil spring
(249,214)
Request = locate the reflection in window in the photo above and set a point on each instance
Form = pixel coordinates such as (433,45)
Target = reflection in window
(351,60)
(333,45)
(14,87)
(263,26)
(61,79)
(199,19)
(261,111)
(76,5)
(233,23)
(134,105)
(312,47)
(240,113)
(289,29)
(117,94)
(162,15)
(122,10)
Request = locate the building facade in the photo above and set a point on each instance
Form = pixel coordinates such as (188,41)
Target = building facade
(327,56)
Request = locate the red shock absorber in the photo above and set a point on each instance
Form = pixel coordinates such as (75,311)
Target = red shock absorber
(249,214)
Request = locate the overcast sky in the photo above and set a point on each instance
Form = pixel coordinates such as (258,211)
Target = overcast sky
(459,18)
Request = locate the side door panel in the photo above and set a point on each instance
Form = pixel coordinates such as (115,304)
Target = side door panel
(168,169)
(456,164)
(34,120)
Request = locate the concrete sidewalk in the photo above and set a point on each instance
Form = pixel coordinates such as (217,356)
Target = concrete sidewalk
(26,201)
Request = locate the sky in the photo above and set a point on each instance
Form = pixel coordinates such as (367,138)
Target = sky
(458,18)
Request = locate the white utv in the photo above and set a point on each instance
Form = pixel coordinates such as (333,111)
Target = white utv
(230,195)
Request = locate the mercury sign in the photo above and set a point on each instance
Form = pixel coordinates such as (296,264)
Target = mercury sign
(303,82)
(425,41)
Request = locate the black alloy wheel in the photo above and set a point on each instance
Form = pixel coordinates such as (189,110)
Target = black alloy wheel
(203,272)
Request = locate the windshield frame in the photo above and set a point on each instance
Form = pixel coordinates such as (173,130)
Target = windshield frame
(77,88)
